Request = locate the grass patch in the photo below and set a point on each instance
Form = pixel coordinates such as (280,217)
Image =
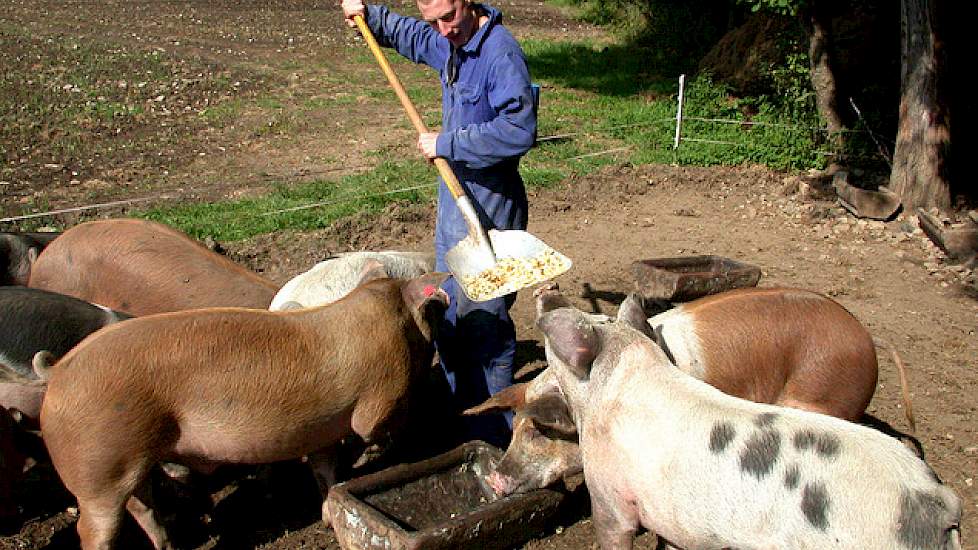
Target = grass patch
(609,70)
(240,219)
(608,98)
(592,117)
(602,103)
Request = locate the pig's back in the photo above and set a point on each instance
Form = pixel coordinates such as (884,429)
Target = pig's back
(764,472)
(777,345)
(143,268)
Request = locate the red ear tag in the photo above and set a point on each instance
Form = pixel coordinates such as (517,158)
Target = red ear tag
(429,290)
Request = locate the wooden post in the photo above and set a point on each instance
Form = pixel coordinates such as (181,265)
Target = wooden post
(679,111)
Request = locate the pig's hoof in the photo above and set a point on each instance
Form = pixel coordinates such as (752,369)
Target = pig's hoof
(326,515)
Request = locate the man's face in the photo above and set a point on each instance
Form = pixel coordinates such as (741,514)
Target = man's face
(453,19)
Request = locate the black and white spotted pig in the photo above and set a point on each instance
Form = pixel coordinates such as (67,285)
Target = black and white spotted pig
(782,346)
(703,469)
(17,254)
(34,320)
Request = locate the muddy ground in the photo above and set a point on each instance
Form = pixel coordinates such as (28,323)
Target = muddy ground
(888,274)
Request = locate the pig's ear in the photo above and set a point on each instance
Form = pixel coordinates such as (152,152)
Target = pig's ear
(32,254)
(21,272)
(549,298)
(421,290)
(509,398)
(551,416)
(372,269)
(631,312)
(572,338)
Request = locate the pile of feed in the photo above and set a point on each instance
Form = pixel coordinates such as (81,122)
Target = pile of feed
(511,274)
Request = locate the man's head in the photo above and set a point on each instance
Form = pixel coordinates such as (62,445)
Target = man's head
(456,20)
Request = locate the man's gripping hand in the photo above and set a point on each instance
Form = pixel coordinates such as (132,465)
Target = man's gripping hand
(352,8)
(427,143)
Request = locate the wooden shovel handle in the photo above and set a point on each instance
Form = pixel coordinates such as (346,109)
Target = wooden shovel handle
(443,168)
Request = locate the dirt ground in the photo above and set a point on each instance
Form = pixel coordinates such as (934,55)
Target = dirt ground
(887,274)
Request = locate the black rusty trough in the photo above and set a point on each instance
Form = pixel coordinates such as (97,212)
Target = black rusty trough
(438,504)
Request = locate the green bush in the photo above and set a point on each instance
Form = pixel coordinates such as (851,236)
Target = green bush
(767,133)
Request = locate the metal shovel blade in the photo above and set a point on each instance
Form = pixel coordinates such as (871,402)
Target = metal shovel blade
(521,260)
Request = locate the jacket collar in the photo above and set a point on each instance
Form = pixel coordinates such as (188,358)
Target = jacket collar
(495,18)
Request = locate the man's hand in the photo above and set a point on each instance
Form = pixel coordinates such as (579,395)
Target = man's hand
(427,143)
(351,8)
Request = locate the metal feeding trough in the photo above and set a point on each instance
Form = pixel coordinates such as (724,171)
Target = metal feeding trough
(439,503)
(688,278)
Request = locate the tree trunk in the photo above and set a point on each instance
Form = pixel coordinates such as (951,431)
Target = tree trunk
(923,141)
(821,55)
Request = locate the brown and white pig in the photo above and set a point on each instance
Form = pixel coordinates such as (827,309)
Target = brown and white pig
(143,267)
(333,278)
(703,469)
(783,346)
(18,251)
(38,320)
(232,385)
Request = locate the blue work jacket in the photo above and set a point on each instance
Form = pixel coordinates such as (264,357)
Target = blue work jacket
(488,123)
(488,116)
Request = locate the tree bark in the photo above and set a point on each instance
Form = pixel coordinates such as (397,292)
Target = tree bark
(821,55)
(923,143)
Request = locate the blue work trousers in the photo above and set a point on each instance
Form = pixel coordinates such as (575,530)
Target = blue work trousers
(477,341)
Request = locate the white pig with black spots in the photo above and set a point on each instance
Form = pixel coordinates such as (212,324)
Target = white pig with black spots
(701,469)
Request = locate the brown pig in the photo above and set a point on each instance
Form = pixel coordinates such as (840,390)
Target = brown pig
(782,346)
(231,385)
(143,267)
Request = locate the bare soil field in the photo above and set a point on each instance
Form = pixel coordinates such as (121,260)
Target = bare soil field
(887,274)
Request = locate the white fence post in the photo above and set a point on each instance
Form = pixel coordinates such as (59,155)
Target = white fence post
(679,111)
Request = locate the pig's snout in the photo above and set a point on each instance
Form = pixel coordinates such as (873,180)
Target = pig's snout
(548,287)
(501,484)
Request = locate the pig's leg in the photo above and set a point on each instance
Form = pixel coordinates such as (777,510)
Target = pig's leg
(325,463)
(613,529)
(99,521)
(103,487)
(374,416)
(140,505)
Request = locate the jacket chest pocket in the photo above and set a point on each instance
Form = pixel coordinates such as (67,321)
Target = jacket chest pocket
(470,105)
(468,94)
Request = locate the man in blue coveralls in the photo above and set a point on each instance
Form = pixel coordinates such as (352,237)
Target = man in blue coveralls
(488,123)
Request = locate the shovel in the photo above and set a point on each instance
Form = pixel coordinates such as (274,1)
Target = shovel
(486,265)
